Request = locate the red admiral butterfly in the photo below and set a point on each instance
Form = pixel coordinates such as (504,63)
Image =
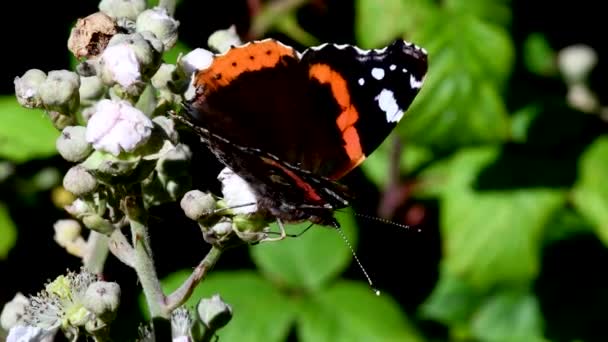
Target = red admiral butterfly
(293,124)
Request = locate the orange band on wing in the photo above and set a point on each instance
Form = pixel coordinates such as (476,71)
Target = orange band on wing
(347,118)
(252,57)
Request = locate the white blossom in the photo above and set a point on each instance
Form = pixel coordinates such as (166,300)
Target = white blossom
(117,126)
(237,192)
(121,62)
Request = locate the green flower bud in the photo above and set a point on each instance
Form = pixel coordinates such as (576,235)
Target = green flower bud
(122,8)
(158,21)
(72,145)
(103,299)
(197,204)
(78,181)
(91,90)
(98,224)
(163,76)
(213,312)
(27,88)
(59,91)
(223,40)
(13,311)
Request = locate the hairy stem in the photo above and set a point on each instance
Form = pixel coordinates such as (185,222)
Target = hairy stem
(181,295)
(97,252)
(144,262)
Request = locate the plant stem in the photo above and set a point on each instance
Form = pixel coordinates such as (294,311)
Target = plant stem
(181,295)
(144,263)
(97,252)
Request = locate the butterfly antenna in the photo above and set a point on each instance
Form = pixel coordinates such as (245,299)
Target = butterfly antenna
(352,251)
(385,221)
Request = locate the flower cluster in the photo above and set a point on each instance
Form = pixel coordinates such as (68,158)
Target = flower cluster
(112,111)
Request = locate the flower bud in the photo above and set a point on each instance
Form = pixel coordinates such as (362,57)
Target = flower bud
(238,195)
(90,36)
(197,204)
(119,64)
(163,76)
(158,21)
(78,181)
(27,88)
(59,91)
(72,145)
(223,40)
(91,90)
(28,333)
(66,231)
(122,8)
(117,126)
(61,121)
(102,298)
(13,311)
(576,61)
(213,312)
(98,224)
(79,208)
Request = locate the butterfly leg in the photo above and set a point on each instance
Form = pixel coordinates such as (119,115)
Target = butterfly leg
(280,237)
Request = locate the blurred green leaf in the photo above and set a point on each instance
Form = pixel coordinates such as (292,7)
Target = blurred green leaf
(590,194)
(493,236)
(351,312)
(452,302)
(538,55)
(170,56)
(509,316)
(8,232)
(377,22)
(566,223)
(460,102)
(25,134)
(498,12)
(309,261)
(376,166)
(260,312)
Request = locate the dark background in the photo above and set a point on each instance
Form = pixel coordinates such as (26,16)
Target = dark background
(404,263)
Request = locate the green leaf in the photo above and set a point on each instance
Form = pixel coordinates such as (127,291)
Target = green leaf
(8,232)
(460,102)
(351,312)
(309,261)
(538,55)
(25,134)
(498,12)
(492,230)
(377,166)
(590,194)
(377,22)
(171,55)
(452,302)
(509,316)
(260,311)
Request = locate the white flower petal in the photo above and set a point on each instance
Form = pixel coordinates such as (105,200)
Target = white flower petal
(28,333)
(196,59)
(117,126)
(237,192)
(122,63)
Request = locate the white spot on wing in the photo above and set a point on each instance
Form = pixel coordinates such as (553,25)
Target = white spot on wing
(392,67)
(361,81)
(378,73)
(388,104)
(404,70)
(414,83)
